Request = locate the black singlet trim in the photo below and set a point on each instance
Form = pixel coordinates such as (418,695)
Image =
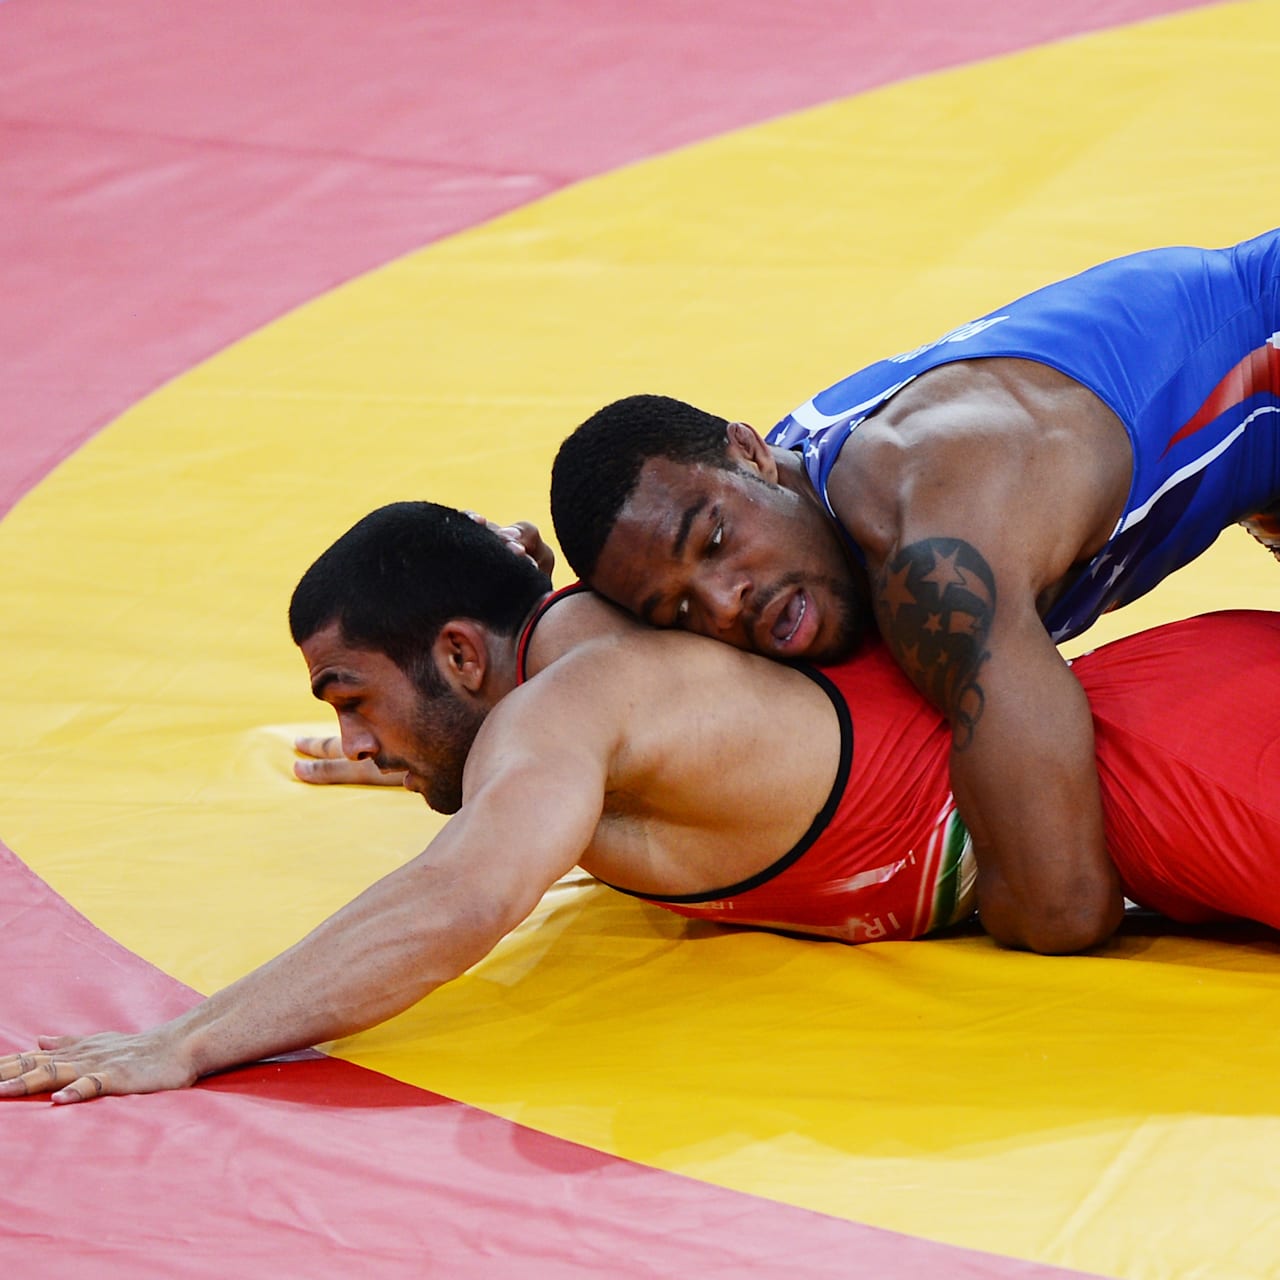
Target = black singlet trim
(816,827)
(522,649)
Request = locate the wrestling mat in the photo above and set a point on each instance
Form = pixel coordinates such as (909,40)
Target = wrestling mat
(269,266)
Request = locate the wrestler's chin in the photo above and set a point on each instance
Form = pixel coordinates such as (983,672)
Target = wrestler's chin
(843,626)
(441,795)
(418,785)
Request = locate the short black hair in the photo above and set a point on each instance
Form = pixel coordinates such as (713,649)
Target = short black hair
(397,576)
(598,466)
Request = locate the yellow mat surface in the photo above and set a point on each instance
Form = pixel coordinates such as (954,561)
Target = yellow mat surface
(1115,1114)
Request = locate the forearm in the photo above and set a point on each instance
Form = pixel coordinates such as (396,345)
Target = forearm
(415,929)
(371,960)
(1045,879)
(419,927)
(383,952)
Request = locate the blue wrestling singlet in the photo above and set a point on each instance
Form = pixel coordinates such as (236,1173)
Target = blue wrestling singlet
(1181,344)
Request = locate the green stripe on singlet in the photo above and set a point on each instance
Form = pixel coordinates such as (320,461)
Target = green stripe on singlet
(948,883)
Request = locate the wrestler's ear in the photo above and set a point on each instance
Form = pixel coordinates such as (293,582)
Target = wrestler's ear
(747,449)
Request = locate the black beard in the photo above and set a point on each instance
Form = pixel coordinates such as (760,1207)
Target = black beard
(450,725)
(853,615)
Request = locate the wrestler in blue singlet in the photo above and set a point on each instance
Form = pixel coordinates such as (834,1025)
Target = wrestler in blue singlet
(1181,344)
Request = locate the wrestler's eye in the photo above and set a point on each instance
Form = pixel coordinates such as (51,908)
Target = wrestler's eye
(716,539)
(682,612)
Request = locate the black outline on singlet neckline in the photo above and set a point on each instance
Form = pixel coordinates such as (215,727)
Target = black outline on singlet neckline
(816,827)
(522,649)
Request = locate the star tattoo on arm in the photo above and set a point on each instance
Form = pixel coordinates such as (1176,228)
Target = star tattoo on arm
(935,601)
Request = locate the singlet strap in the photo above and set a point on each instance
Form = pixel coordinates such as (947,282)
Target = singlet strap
(522,649)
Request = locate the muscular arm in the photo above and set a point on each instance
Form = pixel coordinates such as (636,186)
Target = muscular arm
(534,790)
(980,488)
(1022,763)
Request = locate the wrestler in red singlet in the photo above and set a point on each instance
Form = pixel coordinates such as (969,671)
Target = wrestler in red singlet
(1187,722)
(1187,725)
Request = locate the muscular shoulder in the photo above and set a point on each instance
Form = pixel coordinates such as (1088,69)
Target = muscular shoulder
(653,699)
(664,668)
(692,746)
(998,446)
(593,674)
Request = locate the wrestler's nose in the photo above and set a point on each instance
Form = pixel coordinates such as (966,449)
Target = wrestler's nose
(724,600)
(358,740)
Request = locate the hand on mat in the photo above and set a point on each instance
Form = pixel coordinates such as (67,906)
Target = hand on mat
(524,539)
(326,765)
(80,1068)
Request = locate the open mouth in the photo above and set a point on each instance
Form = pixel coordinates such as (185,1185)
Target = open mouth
(789,622)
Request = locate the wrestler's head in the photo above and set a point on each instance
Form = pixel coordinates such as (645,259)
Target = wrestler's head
(408,626)
(681,518)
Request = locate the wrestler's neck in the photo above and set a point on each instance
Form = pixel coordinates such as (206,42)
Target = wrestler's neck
(502,673)
(793,477)
(791,472)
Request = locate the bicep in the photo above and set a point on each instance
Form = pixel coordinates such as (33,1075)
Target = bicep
(958,548)
(935,601)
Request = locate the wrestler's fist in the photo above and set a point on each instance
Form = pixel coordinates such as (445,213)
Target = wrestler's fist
(524,539)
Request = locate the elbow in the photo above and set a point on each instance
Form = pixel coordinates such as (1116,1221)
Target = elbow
(1078,922)
(1068,932)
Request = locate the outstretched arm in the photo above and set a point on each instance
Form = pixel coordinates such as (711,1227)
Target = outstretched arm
(531,809)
